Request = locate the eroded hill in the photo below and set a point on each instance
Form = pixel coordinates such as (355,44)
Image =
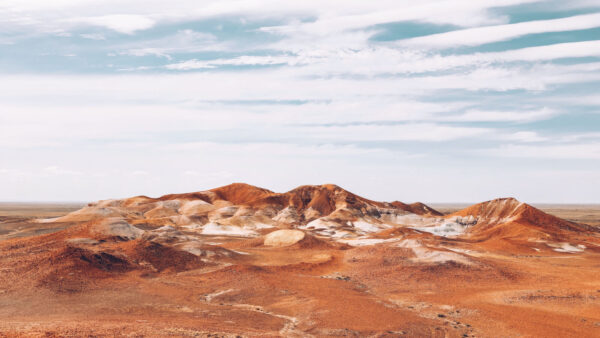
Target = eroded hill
(314,261)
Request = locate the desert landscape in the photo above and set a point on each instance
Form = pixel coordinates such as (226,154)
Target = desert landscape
(314,168)
(240,260)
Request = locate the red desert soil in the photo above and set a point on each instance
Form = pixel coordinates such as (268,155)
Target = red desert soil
(315,261)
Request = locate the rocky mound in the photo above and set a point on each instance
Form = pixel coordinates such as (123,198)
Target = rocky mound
(493,211)
(298,218)
(281,238)
(499,211)
(505,224)
(246,211)
(417,208)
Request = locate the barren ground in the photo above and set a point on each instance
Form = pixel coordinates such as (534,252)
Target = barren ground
(377,290)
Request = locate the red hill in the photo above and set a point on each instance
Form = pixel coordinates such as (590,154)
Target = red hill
(511,218)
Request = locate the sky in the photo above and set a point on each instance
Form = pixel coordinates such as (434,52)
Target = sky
(433,101)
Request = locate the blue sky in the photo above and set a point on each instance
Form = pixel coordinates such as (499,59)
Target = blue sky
(436,101)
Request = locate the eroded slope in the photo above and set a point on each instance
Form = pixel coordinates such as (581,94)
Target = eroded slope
(315,261)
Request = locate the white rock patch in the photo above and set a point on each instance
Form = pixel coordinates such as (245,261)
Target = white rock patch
(227,230)
(426,255)
(118,227)
(566,247)
(367,241)
(366,227)
(432,256)
(197,207)
(281,238)
(445,229)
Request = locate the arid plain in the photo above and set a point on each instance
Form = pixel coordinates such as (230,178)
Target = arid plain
(315,261)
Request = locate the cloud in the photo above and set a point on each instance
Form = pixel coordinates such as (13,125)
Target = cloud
(385,61)
(463,13)
(503,116)
(95,36)
(579,151)
(581,136)
(140,173)
(159,52)
(122,23)
(184,41)
(524,136)
(223,174)
(279,149)
(488,34)
(424,132)
(549,52)
(246,60)
(326,18)
(56,170)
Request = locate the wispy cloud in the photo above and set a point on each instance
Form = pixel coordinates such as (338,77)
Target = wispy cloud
(384,60)
(56,170)
(488,34)
(503,116)
(403,132)
(93,36)
(524,137)
(581,151)
(461,13)
(122,23)
(183,41)
(246,60)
